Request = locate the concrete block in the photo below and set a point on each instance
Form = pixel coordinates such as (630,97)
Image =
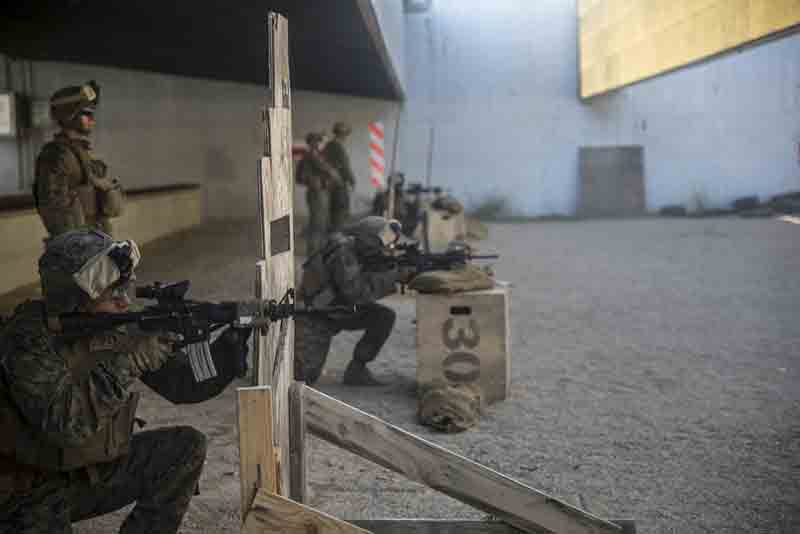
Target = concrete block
(465,338)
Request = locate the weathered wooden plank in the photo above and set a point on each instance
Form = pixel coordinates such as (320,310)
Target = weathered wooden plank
(256,454)
(279,79)
(453,526)
(526,508)
(275,362)
(273,513)
(297,443)
(434,526)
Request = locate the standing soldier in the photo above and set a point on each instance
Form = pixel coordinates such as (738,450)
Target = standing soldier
(73,189)
(319,177)
(351,269)
(336,154)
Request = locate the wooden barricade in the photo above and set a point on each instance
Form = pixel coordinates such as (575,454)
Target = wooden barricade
(275,413)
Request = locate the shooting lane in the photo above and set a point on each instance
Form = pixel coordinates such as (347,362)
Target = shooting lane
(275,413)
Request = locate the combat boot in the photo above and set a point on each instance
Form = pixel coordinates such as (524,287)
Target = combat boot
(357,374)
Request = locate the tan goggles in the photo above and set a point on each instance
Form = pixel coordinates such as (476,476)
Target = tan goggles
(107,268)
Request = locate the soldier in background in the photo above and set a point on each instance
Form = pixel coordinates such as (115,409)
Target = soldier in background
(337,156)
(380,204)
(67,447)
(73,189)
(350,270)
(319,177)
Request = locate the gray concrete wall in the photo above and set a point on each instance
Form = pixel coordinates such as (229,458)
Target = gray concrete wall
(497,84)
(391,19)
(160,129)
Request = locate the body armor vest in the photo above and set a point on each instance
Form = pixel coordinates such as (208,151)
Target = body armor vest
(25,444)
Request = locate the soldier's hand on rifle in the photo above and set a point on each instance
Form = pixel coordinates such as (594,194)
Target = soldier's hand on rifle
(150,352)
(236,341)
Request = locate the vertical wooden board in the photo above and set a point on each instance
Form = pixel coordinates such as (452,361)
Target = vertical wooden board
(256,454)
(280,261)
(297,443)
(280,83)
(275,361)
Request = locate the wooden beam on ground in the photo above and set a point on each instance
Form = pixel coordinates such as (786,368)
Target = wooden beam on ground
(453,526)
(524,507)
(256,453)
(434,526)
(297,443)
(275,356)
(273,513)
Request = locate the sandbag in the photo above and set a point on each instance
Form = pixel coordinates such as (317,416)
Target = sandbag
(450,407)
(457,280)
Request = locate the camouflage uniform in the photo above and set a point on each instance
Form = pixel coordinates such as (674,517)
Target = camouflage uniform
(68,452)
(336,154)
(319,177)
(73,189)
(342,273)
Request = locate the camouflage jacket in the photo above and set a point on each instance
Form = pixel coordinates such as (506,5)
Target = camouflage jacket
(337,156)
(340,275)
(73,189)
(316,173)
(50,404)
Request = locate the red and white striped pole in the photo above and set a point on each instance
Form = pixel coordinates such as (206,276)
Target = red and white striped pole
(377,161)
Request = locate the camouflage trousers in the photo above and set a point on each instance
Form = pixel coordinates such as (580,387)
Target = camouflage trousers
(160,474)
(313,337)
(318,219)
(340,207)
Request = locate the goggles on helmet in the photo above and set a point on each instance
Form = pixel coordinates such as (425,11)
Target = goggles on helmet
(113,266)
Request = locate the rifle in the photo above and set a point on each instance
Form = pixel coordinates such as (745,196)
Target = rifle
(192,321)
(410,256)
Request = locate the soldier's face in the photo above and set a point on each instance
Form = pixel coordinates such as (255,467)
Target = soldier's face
(112,300)
(87,121)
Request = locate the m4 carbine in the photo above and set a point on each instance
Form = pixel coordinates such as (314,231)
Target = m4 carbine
(192,321)
(411,256)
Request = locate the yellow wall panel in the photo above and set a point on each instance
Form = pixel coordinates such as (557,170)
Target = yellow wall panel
(625,41)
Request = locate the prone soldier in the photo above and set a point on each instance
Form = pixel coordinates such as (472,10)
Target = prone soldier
(67,450)
(73,189)
(320,178)
(337,156)
(344,272)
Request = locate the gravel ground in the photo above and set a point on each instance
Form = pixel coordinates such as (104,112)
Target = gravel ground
(655,376)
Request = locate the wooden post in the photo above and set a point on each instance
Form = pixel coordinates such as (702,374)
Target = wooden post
(297,443)
(256,453)
(275,358)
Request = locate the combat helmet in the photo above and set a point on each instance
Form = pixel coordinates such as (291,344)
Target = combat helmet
(66,103)
(77,266)
(375,231)
(313,138)
(341,128)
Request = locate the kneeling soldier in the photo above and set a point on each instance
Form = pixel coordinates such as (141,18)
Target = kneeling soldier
(67,448)
(350,269)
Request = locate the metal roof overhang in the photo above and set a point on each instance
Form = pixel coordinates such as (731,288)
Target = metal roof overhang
(336,46)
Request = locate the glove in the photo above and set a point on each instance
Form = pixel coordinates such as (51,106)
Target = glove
(235,342)
(150,352)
